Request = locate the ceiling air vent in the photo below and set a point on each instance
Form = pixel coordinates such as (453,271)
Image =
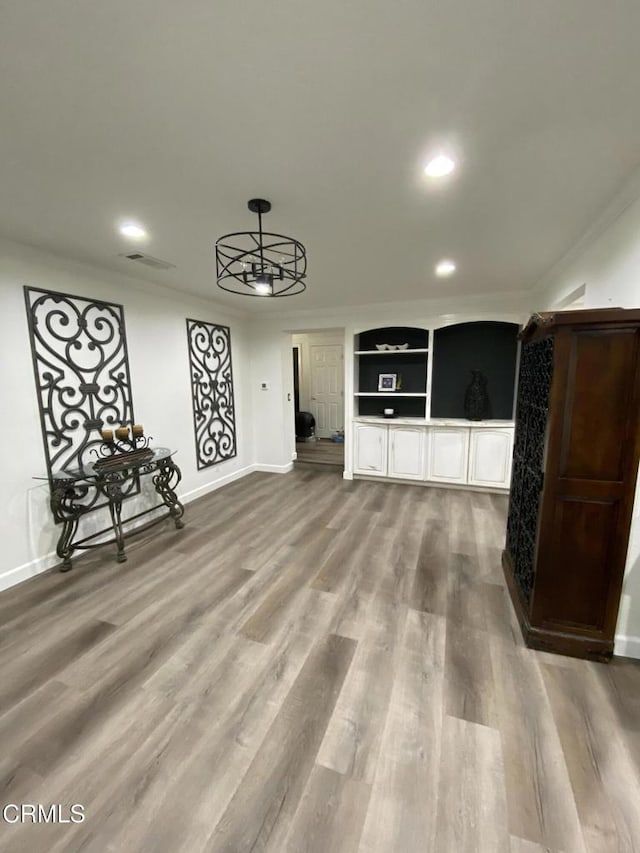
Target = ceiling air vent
(149,261)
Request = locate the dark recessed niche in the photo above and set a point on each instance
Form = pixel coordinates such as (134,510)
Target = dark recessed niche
(410,369)
(491,347)
(405,407)
(394,335)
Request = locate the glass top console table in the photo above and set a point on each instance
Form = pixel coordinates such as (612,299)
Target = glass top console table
(76,491)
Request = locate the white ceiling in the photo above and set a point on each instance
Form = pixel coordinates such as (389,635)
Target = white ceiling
(176,113)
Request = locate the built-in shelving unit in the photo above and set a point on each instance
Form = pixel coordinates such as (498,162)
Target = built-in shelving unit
(428,438)
(408,366)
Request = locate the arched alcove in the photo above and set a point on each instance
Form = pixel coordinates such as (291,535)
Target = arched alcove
(488,346)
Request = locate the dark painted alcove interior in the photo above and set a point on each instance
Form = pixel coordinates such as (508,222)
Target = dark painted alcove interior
(410,369)
(491,347)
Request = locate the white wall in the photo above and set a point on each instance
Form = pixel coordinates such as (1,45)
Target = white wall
(156,336)
(272,406)
(607,263)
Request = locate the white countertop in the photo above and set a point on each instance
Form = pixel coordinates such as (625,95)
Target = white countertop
(441,422)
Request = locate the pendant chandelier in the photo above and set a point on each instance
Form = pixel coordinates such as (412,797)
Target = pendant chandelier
(258,263)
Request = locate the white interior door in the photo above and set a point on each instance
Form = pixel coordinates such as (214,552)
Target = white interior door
(327,400)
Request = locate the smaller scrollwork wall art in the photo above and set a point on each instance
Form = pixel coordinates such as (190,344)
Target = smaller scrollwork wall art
(212,392)
(81,370)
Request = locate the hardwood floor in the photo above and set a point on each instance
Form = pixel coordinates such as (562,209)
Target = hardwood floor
(321,452)
(311,665)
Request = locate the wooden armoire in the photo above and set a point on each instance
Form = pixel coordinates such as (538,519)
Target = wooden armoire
(573,480)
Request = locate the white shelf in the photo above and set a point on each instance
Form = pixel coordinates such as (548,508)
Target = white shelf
(434,422)
(385,394)
(389,351)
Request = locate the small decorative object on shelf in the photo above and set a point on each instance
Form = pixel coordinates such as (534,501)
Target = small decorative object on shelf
(477,406)
(115,450)
(389,413)
(387,381)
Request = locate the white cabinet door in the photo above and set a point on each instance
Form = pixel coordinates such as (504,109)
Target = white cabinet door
(448,454)
(406,452)
(490,457)
(370,449)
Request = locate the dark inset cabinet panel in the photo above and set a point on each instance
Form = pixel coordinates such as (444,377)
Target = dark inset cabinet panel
(490,347)
(410,371)
(534,387)
(573,581)
(601,372)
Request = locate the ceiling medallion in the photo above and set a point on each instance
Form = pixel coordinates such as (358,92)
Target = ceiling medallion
(258,263)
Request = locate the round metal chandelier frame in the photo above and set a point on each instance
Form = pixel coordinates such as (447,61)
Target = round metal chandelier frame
(260,263)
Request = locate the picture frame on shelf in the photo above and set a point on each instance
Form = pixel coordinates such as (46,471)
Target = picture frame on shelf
(387,381)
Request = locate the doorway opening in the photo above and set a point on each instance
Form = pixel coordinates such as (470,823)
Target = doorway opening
(318,388)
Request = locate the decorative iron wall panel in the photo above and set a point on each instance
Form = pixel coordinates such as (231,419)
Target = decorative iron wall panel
(212,392)
(81,370)
(534,388)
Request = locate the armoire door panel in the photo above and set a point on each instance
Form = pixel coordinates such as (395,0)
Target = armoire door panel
(601,372)
(575,564)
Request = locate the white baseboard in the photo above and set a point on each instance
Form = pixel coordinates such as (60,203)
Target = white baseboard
(628,647)
(28,570)
(42,564)
(273,469)
(347,475)
(187,497)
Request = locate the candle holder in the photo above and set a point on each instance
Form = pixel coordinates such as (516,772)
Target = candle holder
(119,447)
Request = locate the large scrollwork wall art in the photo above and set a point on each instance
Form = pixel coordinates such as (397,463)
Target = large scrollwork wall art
(212,392)
(81,371)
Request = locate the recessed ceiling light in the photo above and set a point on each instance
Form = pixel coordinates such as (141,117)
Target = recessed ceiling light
(445,268)
(133,231)
(439,166)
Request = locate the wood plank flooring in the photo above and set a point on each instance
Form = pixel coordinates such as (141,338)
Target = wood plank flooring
(321,452)
(310,666)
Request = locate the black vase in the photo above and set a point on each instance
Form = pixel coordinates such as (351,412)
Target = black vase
(477,406)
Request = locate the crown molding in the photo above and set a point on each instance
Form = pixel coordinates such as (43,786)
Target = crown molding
(621,202)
